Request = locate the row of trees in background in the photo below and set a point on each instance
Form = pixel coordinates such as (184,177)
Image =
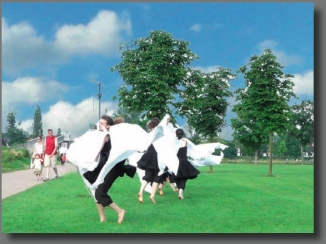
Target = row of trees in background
(263,108)
(14,134)
(158,79)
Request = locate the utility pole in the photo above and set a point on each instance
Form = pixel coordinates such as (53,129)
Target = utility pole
(99,97)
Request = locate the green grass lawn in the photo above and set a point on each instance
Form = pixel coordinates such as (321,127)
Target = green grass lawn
(235,198)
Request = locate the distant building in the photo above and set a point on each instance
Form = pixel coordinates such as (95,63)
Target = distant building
(65,138)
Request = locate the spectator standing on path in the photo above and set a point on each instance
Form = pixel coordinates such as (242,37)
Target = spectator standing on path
(50,154)
(63,151)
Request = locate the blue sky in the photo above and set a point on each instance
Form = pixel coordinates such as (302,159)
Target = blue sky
(52,51)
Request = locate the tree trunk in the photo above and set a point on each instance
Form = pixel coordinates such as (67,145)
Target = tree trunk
(270,171)
(210,167)
(302,157)
(256,157)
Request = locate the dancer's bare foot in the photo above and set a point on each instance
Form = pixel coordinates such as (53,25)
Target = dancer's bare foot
(161,192)
(121,215)
(102,220)
(140,198)
(152,199)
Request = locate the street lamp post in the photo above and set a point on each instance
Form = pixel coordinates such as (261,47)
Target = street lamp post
(99,98)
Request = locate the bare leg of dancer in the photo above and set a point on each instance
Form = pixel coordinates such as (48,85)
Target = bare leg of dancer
(121,212)
(101,212)
(154,189)
(141,190)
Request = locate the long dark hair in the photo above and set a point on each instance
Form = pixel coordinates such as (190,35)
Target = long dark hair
(108,119)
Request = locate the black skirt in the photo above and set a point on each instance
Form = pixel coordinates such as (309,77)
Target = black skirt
(149,159)
(186,169)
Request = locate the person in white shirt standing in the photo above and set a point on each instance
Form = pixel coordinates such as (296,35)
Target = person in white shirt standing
(63,150)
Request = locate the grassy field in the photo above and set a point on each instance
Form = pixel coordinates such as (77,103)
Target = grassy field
(236,198)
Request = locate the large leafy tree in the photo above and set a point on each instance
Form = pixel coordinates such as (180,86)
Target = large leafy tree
(247,135)
(204,101)
(15,134)
(152,69)
(231,151)
(267,93)
(37,125)
(302,123)
(279,145)
(293,146)
(245,130)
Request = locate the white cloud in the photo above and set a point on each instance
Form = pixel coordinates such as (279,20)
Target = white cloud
(100,36)
(283,58)
(70,118)
(196,27)
(207,69)
(28,91)
(23,47)
(304,84)
(208,27)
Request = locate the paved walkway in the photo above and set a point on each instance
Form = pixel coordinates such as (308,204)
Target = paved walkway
(18,181)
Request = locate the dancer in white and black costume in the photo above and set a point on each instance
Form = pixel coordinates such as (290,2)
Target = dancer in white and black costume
(110,153)
(161,154)
(167,148)
(186,170)
(148,162)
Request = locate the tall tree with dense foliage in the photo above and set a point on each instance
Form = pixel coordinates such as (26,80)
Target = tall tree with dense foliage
(152,69)
(37,125)
(302,123)
(15,134)
(266,95)
(204,101)
(279,145)
(245,129)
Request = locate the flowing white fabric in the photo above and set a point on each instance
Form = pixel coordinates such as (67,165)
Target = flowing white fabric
(84,150)
(167,148)
(208,160)
(126,139)
(201,154)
